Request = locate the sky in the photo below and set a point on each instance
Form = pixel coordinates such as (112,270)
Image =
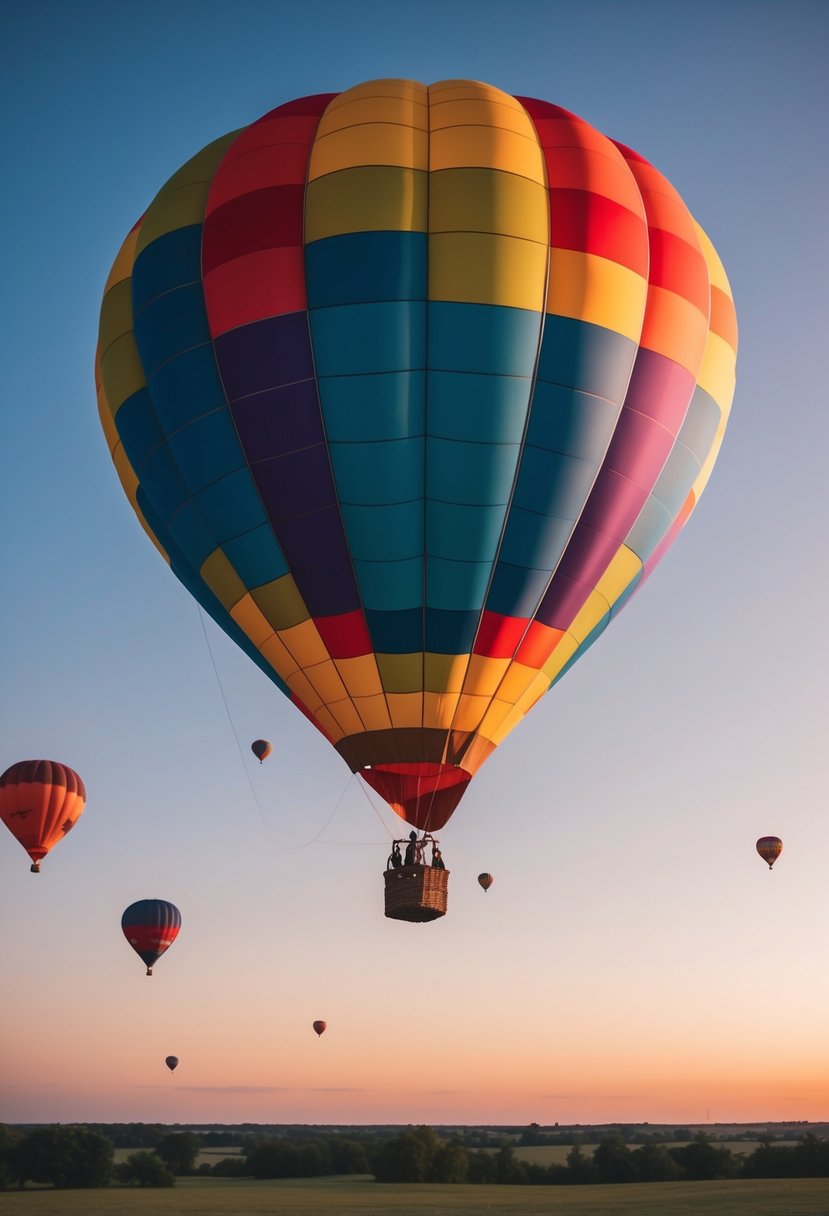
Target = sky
(634,959)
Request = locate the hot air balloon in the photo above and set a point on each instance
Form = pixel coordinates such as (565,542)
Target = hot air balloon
(151,926)
(261,749)
(171,1062)
(413,386)
(486,881)
(769,848)
(40,801)
(319,1027)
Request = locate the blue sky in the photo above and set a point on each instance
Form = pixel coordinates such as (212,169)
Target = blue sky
(627,890)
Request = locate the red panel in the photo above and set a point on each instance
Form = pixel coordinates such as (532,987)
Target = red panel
(538,645)
(425,795)
(679,267)
(499,635)
(263,219)
(259,169)
(345,636)
(268,283)
(593,223)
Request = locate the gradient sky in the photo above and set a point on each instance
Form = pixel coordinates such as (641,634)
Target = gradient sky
(634,959)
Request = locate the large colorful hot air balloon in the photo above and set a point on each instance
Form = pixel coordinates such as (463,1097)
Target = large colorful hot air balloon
(412,387)
(151,926)
(40,801)
(261,749)
(769,848)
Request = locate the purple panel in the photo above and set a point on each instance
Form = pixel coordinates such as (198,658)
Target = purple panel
(612,507)
(330,590)
(295,484)
(278,421)
(313,540)
(639,448)
(660,388)
(265,354)
(562,602)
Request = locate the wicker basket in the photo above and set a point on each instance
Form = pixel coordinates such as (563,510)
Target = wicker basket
(416,893)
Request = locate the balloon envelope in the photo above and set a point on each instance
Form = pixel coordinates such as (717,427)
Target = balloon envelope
(151,926)
(769,848)
(40,801)
(261,749)
(412,394)
(486,881)
(319,1027)
(171,1062)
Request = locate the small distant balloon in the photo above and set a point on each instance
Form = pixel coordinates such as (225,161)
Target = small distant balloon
(172,1063)
(261,749)
(40,801)
(319,1027)
(486,881)
(770,848)
(151,926)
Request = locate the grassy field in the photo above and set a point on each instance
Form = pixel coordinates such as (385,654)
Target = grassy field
(556,1154)
(361,1197)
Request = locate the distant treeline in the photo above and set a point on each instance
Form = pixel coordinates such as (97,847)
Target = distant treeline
(75,1156)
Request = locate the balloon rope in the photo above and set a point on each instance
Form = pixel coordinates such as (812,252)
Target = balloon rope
(386,827)
(270,826)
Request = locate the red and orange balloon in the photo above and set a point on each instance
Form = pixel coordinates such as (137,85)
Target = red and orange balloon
(40,801)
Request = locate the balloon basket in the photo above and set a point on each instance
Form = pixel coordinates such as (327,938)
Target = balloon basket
(416,893)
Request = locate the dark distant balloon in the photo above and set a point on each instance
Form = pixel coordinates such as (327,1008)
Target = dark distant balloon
(172,1063)
(486,881)
(320,1027)
(151,926)
(261,749)
(40,801)
(770,848)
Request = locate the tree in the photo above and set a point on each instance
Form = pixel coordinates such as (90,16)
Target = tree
(145,1169)
(581,1167)
(654,1163)
(450,1164)
(509,1171)
(701,1159)
(348,1156)
(8,1139)
(179,1150)
(406,1158)
(64,1156)
(613,1160)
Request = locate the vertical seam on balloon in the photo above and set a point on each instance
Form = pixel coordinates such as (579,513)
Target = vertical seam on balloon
(426,364)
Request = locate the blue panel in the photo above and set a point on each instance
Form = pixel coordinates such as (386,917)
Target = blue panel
(384,533)
(162,483)
(207,450)
(361,267)
(169,261)
(484,409)
(552,484)
(364,338)
(170,324)
(653,522)
(378,473)
(389,406)
(516,591)
(256,557)
(231,506)
(463,533)
(534,540)
(192,536)
(674,482)
(587,357)
(460,586)
(484,338)
(396,632)
(564,420)
(699,428)
(480,473)
(450,632)
(186,388)
(154,522)
(390,586)
(138,428)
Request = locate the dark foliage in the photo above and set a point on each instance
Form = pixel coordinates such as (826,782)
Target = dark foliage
(144,1169)
(64,1156)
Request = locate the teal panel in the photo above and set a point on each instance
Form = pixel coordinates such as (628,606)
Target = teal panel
(359,267)
(360,408)
(577,424)
(186,388)
(474,473)
(516,590)
(207,450)
(378,473)
(170,324)
(483,338)
(390,586)
(534,540)
(384,533)
(679,474)
(463,533)
(483,409)
(191,534)
(163,484)
(360,339)
(256,556)
(552,484)
(231,506)
(460,586)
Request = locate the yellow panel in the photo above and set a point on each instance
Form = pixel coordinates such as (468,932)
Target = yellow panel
(251,621)
(462,90)
(516,682)
(370,144)
(623,569)
(374,712)
(384,87)
(360,676)
(222,579)
(124,261)
(592,288)
(369,198)
(401,672)
(329,723)
(716,270)
(480,112)
(125,471)
(562,654)
(326,679)
(534,693)
(469,712)
(280,658)
(445,672)
(299,683)
(486,147)
(406,708)
(494,716)
(484,675)
(439,709)
(116,314)
(121,371)
(718,370)
(304,642)
(588,616)
(488,200)
(105,415)
(281,602)
(347,716)
(477,268)
(181,200)
(403,111)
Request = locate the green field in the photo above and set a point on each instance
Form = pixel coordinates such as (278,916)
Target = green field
(360,1196)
